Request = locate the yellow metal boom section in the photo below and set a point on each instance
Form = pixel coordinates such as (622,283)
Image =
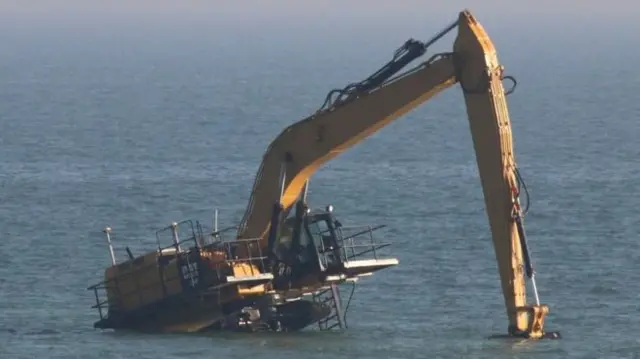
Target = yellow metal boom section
(305,146)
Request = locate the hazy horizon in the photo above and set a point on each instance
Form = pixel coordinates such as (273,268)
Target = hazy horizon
(289,8)
(329,20)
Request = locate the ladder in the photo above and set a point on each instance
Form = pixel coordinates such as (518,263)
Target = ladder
(331,297)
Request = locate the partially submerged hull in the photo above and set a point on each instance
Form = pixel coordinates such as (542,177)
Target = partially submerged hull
(190,315)
(198,284)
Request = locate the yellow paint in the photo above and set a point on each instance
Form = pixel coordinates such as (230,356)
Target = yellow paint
(475,65)
(293,189)
(351,123)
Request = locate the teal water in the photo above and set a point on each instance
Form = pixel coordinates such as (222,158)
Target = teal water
(138,124)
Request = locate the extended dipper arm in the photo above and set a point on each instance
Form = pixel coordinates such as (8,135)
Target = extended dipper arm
(363,108)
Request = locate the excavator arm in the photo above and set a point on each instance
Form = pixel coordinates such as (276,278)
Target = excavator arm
(363,108)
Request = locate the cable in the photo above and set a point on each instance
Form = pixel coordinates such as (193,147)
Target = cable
(523,185)
(353,289)
(513,81)
(405,54)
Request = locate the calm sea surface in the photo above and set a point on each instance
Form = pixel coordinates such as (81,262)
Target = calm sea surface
(138,125)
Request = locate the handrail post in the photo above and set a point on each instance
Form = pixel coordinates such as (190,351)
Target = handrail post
(176,239)
(353,247)
(373,245)
(344,248)
(251,262)
(107,232)
(215,220)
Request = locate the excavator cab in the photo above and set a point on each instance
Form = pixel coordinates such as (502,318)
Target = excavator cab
(312,248)
(321,229)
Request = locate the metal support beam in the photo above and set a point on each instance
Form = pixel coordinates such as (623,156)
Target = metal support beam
(335,292)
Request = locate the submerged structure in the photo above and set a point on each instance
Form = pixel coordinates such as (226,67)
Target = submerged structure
(195,281)
(276,270)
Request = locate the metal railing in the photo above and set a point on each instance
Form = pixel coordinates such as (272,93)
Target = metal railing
(230,248)
(188,249)
(113,283)
(354,242)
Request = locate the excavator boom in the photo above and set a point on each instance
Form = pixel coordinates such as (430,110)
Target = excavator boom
(366,107)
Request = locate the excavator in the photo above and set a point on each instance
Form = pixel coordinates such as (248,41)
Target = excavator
(351,114)
(283,251)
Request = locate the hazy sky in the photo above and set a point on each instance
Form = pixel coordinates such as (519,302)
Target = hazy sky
(266,8)
(568,19)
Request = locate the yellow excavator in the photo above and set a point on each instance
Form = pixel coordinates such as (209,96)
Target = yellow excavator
(351,114)
(284,252)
